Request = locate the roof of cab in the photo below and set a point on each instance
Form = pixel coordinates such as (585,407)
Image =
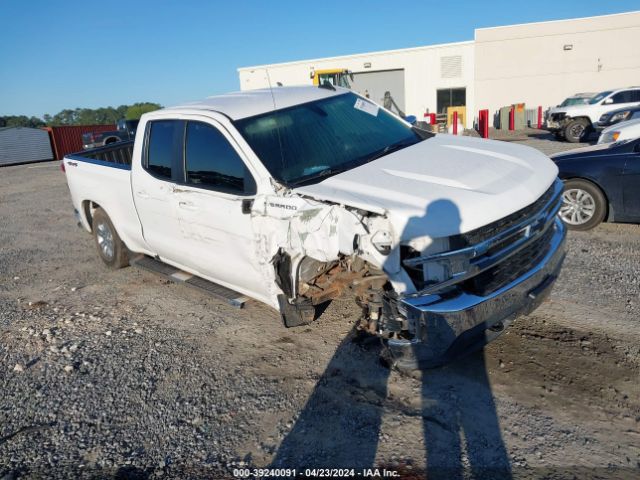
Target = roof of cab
(237,105)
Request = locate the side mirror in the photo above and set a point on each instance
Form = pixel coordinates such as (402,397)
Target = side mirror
(608,101)
(411,119)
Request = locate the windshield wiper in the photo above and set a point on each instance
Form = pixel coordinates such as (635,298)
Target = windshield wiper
(394,147)
(327,172)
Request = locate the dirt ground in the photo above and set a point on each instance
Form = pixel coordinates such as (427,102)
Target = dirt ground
(123,374)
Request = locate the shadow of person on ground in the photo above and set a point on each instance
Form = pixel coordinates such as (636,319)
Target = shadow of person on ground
(340,424)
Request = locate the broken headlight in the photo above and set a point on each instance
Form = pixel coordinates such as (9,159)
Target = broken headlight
(382,242)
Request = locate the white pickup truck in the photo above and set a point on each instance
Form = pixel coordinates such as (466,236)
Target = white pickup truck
(298,195)
(576,122)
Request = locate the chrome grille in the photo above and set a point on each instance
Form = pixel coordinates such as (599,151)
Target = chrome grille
(513,267)
(484,259)
(488,231)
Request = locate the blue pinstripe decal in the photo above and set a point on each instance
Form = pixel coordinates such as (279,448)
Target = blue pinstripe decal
(79,158)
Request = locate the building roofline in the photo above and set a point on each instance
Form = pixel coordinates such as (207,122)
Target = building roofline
(357,55)
(559,20)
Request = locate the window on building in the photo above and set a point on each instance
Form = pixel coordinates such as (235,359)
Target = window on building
(451,97)
(211,162)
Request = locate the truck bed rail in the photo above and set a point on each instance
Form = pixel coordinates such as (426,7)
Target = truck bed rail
(115,155)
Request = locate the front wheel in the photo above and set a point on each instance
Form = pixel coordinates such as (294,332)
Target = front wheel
(111,249)
(583,205)
(577,131)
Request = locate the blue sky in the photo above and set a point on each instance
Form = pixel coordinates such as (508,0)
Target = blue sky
(68,54)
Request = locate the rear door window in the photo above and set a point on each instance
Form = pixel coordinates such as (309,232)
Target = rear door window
(163,146)
(211,162)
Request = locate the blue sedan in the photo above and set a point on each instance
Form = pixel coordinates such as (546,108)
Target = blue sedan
(602,182)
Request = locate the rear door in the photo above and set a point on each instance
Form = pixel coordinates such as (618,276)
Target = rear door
(212,203)
(154,184)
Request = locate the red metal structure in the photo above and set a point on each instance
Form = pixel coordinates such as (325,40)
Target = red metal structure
(455,123)
(68,139)
(539,117)
(512,114)
(430,118)
(483,123)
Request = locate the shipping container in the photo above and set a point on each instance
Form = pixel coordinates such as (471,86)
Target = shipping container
(68,139)
(23,145)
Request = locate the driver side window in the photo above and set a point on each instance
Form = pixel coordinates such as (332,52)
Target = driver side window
(212,163)
(627,96)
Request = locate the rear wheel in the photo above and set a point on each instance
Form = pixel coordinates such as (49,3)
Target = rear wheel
(111,249)
(583,205)
(577,131)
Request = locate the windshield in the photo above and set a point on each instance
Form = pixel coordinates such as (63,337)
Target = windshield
(306,143)
(599,97)
(575,101)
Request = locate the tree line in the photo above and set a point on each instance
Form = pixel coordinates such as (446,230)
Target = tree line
(81,116)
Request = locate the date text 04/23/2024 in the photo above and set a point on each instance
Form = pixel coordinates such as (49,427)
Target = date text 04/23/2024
(365,473)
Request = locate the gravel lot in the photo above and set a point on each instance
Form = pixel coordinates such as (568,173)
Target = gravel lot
(124,375)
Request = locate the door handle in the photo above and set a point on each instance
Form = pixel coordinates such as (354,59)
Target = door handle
(142,194)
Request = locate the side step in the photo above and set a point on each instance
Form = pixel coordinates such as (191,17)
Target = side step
(150,264)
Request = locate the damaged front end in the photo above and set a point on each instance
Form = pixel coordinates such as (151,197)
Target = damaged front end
(429,303)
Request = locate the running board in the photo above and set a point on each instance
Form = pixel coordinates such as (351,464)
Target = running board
(176,275)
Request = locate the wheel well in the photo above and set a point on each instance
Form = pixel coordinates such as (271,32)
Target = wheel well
(595,185)
(586,119)
(89,207)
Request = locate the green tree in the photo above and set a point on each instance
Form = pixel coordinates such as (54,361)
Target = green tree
(20,121)
(135,111)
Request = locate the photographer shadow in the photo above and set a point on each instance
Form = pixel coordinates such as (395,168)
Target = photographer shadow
(339,426)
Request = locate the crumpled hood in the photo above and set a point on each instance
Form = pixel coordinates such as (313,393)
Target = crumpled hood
(442,186)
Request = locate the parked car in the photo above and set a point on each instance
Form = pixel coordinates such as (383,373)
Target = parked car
(577,99)
(576,122)
(620,131)
(126,130)
(616,116)
(325,194)
(601,182)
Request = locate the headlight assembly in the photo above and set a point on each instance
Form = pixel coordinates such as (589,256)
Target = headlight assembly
(620,116)
(609,137)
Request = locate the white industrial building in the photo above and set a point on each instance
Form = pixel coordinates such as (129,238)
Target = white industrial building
(538,64)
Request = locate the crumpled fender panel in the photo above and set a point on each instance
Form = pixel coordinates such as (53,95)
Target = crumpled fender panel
(305,227)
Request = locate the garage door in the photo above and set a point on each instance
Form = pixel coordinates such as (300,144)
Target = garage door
(384,87)
(22,144)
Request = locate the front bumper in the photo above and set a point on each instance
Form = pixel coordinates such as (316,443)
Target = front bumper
(448,327)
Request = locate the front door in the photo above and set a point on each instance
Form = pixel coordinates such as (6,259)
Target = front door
(212,207)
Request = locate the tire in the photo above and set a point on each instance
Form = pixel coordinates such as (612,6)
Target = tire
(111,249)
(583,205)
(577,131)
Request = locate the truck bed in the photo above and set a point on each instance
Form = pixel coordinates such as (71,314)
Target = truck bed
(119,154)
(102,177)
